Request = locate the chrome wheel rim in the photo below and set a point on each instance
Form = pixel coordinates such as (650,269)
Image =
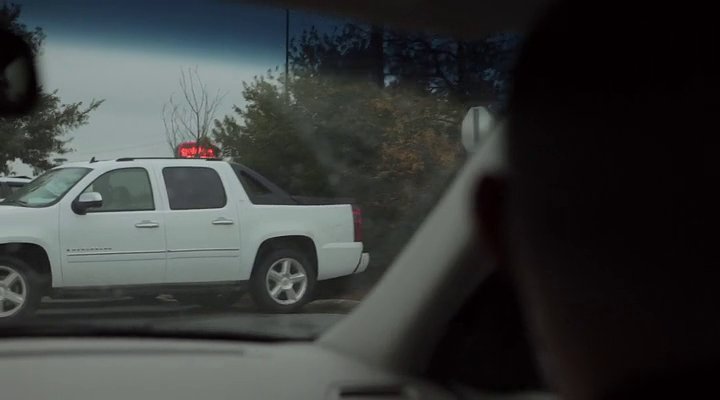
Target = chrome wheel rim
(286,281)
(13,291)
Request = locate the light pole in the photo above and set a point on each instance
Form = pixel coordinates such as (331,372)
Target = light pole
(287,53)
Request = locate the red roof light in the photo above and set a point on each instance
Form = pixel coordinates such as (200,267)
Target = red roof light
(193,150)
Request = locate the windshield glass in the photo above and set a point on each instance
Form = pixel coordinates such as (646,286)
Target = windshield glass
(343,132)
(48,188)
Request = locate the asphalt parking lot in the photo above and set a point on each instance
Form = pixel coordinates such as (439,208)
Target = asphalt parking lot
(165,312)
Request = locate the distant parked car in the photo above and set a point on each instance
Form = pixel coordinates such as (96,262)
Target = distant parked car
(9,185)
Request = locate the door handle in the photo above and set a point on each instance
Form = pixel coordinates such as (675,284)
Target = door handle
(147,224)
(223,221)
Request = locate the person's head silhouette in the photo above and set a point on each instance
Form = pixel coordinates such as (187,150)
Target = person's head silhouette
(606,218)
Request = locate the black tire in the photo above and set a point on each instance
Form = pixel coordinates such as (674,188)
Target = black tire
(213,300)
(26,283)
(260,289)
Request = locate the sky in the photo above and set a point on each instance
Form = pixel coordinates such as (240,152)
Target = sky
(131,53)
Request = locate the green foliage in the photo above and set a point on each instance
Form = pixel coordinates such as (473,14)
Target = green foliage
(270,141)
(390,149)
(9,20)
(370,115)
(35,137)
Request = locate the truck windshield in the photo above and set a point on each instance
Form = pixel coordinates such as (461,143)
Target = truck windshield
(47,189)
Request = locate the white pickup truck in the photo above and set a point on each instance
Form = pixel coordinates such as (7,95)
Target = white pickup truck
(204,231)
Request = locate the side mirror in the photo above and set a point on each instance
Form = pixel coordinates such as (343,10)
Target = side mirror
(18,77)
(87,201)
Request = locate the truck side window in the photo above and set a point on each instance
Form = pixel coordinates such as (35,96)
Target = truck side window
(126,189)
(253,187)
(193,188)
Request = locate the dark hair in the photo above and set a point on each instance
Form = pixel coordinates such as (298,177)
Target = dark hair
(613,133)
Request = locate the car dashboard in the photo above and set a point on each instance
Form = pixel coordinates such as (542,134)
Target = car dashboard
(127,368)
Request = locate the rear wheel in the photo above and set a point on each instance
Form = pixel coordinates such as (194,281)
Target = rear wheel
(283,281)
(20,290)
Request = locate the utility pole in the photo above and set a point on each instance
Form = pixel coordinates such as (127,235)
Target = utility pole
(287,54)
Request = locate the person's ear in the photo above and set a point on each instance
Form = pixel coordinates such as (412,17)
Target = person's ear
(490,216)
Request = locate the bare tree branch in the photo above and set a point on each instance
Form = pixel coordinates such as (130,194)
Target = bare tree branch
(190,118)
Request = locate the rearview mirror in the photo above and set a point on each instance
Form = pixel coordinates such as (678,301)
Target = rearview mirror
(18,78)
(87,201)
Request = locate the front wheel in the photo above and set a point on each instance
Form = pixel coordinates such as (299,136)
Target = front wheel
(19,290)
(283,281)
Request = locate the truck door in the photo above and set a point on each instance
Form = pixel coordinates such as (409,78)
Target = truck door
(120,243)
(203,237)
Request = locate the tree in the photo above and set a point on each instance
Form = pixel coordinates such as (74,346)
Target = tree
(191,117)
(389,149)
(266,136)
(372,115)
(472,72)
(35,137)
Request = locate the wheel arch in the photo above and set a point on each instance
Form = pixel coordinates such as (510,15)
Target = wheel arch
(301,243)
(35,255)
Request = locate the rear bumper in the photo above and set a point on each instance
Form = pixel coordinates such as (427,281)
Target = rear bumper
(363,264)
(339,259)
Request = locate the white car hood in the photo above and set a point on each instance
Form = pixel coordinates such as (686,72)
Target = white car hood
(10,216)
(10,210)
